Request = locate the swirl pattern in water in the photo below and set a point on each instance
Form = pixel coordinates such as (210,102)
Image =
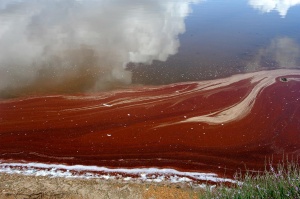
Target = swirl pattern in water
(78,95)
(198,126)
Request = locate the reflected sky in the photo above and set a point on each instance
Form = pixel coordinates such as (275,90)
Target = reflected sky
(229,37)
(64,46)
(77,46)
(281,6)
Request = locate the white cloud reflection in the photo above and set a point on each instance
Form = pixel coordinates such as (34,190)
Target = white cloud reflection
(72,46)
(281,6)
(282,52)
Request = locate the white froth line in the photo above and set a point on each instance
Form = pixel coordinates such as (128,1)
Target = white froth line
(146,174)
(294,79)
(128,102)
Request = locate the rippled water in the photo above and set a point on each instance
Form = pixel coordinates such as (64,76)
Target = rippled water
(88,46)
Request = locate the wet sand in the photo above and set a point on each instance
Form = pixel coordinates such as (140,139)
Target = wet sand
(216,126)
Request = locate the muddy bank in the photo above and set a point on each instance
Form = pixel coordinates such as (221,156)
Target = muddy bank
(25,187)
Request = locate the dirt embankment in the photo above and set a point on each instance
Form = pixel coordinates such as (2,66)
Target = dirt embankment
(29,187)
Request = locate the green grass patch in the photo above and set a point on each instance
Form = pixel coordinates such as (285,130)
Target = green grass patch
(276,182)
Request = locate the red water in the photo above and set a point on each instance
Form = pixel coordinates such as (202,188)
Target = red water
(212,126)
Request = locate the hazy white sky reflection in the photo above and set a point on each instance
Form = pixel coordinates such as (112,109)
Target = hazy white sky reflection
(83,45)
(281,6)
(282,52)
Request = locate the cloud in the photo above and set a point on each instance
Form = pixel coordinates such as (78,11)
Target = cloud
(281,6)
(282,52)
(77,46)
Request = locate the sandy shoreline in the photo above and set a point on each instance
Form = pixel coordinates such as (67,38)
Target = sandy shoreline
(25,187)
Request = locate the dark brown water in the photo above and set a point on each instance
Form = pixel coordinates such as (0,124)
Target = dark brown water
(89,46)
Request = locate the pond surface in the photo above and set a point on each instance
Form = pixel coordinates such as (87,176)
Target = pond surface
(228,37)
(87,46)
(155,90)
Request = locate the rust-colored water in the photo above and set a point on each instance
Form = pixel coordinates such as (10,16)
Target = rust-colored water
(208,126)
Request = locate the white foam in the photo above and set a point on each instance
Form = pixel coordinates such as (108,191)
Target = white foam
(82,171)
